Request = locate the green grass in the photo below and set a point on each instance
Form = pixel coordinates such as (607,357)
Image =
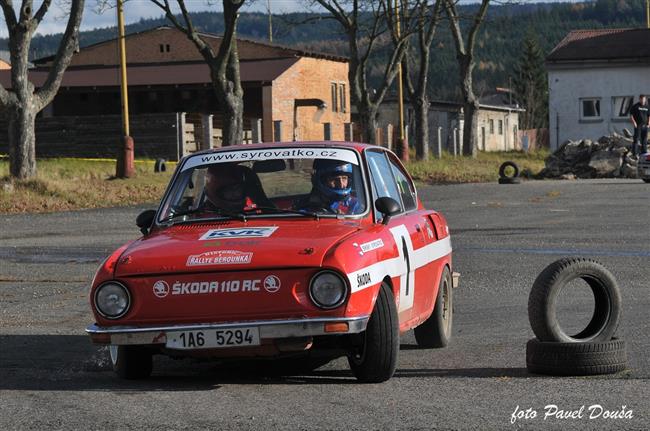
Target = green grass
(70,184)
(67,184)
(484,168)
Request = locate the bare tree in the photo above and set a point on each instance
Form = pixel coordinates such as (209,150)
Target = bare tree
(224,64)
(416,64)
(363,22)
(23,101)
(465,57)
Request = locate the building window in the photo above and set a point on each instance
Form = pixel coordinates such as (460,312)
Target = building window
(590,109)
(162,47)
(335,106)
(491,127)
(343,99)
(167,48)
(500,127)
(621,106)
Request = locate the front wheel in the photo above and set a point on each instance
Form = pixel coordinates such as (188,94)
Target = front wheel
(436,330)
(374,361)
(131,362)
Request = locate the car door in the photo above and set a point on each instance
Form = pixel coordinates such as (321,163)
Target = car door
(404,228)
(427,272)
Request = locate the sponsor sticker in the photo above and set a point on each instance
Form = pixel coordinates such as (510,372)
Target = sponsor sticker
(220,257)
(234,233)
(369,246)
(272,283)
(363,279)
(272,154)
(205,287)
(161,288)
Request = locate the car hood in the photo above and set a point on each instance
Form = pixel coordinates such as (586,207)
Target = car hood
(233,245)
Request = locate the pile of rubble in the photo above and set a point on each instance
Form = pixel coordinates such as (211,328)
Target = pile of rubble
(609,157)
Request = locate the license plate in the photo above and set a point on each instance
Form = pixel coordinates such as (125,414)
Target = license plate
(213,338)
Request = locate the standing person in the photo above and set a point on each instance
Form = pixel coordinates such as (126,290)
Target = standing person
(639,117)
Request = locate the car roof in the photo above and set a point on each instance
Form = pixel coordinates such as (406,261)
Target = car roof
(298,144)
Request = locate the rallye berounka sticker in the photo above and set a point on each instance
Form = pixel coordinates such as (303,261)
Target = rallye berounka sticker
(220,257)
(271,284)
(243,232)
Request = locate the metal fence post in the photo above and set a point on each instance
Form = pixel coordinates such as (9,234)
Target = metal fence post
(455,140)
(439,142)
(277,131)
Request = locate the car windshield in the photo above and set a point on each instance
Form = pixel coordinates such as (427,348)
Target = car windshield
(305,182)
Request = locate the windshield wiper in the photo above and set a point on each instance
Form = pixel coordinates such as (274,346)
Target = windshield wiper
(218,211)
(306,213)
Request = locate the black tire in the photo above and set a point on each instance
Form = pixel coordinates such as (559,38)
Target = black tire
(509,180)
(160,166)
(435,332)
(506,164)
(542,301)
(646,180)
(131,362)
(576,359)
(376,359)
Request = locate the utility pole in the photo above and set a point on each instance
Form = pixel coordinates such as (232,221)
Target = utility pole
(268,8)
(647,13)
(402,145)
(125,159)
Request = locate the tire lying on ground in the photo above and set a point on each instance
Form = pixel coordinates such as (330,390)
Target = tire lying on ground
(159,165)
(544,297)
(575,359)
(509,180)
(508,164)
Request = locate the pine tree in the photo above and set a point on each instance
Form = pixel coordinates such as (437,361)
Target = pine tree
(531,86)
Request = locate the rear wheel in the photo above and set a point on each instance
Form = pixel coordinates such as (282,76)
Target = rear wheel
(375,359)
(131,362)
(436,330)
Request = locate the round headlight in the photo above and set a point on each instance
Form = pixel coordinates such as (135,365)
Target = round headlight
(327,289)
(112,300)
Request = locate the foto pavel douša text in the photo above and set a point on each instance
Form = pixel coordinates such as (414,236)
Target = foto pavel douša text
(552,411)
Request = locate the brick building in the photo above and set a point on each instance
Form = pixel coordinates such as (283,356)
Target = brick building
(297,95)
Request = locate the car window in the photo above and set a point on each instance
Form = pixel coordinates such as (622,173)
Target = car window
(404,185)
(382,177)
(267,182)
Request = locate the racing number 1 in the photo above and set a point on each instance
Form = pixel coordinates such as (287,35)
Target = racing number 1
(408,264)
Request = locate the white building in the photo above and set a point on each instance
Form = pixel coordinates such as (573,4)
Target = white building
(497,127)
(594,77)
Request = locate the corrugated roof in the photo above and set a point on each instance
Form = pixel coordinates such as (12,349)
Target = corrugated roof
(603,44)
(166,74)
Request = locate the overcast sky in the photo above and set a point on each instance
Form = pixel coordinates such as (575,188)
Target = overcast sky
(134,10)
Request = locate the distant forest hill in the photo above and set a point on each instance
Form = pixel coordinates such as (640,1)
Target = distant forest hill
(498,44)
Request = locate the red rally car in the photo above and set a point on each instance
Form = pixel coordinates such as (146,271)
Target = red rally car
(301,251)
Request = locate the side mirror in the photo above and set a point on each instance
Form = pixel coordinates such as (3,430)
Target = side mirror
(145,220)
(388,207)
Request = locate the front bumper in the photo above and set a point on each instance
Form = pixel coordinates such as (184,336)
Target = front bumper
(269,329)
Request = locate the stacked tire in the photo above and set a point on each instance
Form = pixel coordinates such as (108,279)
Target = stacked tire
(594,350)
(509,173)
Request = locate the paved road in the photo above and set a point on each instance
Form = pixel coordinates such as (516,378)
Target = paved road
(503,236)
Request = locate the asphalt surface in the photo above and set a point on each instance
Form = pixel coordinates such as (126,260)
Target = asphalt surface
(52,377)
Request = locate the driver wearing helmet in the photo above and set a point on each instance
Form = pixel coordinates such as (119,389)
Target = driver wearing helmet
(332,188)
(225,188)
